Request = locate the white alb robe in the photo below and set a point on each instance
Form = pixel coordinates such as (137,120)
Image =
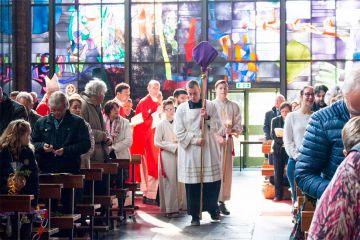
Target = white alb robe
(229,112)
(172,192)
(187,129)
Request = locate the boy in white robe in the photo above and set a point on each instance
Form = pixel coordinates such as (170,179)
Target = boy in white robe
(172,193)
(188,133)
(230,116)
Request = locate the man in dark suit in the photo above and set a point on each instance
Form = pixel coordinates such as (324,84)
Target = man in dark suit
(9,111)
(274,112)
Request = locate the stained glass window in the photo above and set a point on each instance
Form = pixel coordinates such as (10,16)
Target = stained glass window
(6,74)
(163,34)
(322,41)
(89,42)
(246,34)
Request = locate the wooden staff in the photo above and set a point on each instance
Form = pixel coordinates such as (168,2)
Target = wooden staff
(204,78)
(203,54)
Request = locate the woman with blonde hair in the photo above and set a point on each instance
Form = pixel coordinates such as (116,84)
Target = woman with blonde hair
(19,172)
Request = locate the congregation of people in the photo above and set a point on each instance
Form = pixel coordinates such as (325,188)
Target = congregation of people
(67,131)
(187,166)
(316,140)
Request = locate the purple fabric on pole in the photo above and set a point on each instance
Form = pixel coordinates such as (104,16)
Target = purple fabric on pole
(204,54)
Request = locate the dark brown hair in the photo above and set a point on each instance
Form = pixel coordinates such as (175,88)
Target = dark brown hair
(121,86)
(109,105)
(284,105)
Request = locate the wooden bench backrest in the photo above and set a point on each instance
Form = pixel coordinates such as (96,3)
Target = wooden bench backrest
(108,168)
(68,181)
(135,158)
(92,174)
(122,163)
(52,191)
(15,203)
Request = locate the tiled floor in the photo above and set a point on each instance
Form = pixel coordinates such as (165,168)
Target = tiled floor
(252,217)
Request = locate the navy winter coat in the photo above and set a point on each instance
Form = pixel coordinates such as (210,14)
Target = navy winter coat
(72,135)
(322,149)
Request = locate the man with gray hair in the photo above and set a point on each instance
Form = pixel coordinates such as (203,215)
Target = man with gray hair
(92,98)
(143,143)
(25,99)
(59,139)
(322,149)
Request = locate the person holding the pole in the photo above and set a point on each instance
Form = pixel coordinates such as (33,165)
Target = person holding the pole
(230,116)
(198,153)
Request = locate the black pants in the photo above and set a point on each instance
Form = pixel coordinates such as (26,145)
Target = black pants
(280,160)
(25,228)
(210,198)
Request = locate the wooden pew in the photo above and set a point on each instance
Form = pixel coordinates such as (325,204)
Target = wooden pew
(66,221)
(48,192)
(306,218)
(267,170)
(135,160)
(123,164)
(89,209)
(105,200)
(17,204)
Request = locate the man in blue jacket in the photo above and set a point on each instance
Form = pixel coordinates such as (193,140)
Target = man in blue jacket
(322,149)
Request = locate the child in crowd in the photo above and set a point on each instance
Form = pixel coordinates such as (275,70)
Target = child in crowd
(337,215)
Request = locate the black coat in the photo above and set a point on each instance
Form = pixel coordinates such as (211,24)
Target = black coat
(9,111)
(267,122)
(27,159)
(72,135)
(277,122)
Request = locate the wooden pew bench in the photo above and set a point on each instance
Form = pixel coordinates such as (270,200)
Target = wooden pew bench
(48,192)
(121,193)
(267,170)
(107,199)
(17,204)
(66,221)
(89,209)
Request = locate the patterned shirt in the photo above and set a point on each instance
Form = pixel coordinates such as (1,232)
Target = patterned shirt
(337,215)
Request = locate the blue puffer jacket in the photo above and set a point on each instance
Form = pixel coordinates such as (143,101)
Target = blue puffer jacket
(322,149)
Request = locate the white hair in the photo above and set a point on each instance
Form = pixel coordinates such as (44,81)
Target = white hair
(352,80)
(153,82)
(94,87)
(332,93)
(58,99)
(25,95)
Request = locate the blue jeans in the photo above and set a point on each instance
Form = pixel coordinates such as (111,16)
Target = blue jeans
(290,174)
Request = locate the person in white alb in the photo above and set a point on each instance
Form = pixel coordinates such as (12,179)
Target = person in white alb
(230,116)
(190,144)
(172,193)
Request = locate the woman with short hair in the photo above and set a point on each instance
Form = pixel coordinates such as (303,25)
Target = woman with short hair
(279,153)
